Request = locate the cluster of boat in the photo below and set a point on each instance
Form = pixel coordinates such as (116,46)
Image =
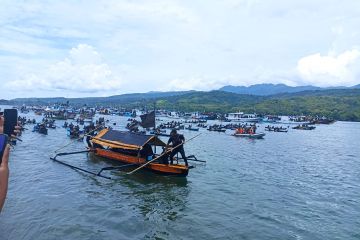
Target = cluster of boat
(41,127)
(145,149)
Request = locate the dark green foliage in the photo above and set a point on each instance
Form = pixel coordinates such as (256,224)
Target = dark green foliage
(338,104)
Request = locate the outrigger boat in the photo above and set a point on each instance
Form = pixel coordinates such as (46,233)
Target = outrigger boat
(250,135)
(133,148)
(248,132)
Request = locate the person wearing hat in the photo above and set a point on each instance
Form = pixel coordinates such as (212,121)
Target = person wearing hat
(177,141)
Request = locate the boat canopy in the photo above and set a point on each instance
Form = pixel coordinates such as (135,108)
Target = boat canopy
(125,140)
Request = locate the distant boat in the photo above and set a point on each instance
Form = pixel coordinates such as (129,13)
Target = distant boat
(271,119)
(276,129)
(304,127)
(249,132)
(190,128)
(250,135)
(174,115)
(243,117)
(40,128)
(322,120)
(295,120)
(216,129)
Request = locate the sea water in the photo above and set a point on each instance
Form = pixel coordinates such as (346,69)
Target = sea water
(295,185)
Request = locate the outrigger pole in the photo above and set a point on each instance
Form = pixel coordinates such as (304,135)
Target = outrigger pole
(166,152)
(98,174)
(74,167)
(193,158)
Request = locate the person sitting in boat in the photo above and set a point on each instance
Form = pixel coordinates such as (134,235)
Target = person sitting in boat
(177,145)
(254,128)
(239,130)
(147,152)
(164,159)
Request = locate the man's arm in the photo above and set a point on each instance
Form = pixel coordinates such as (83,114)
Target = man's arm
(169,141)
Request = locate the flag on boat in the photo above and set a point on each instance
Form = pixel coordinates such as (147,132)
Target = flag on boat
(148,120)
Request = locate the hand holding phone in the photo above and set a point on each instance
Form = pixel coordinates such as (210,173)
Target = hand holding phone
(3,143)
(11,119)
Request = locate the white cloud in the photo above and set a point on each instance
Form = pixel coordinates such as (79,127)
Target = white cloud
(193,83)
(82,71)
(171,44)
(330,70)
(202,83)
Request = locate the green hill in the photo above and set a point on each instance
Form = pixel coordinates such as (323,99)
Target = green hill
(340,104)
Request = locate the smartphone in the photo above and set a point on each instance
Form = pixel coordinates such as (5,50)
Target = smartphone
(3,142)
(11,119)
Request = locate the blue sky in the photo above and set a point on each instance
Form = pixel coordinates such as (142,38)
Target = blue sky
(101,48)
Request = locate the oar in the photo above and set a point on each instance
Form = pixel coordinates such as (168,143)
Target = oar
(166,152)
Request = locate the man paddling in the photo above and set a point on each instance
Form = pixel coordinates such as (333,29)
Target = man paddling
(177,145)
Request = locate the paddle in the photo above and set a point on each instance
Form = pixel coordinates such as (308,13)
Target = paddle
(166,152)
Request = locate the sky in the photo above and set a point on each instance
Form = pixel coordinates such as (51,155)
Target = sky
(99,48)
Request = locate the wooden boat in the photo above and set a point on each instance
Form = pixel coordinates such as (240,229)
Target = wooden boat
(271,119)
(73,133)
(159,133)
(216,129)
(190,128)
(243,117)
(40,128)
(304,127)
(250,135)
(136,149)
(276,129)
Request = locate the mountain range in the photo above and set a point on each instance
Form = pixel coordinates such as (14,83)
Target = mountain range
(257,90)
(271,89)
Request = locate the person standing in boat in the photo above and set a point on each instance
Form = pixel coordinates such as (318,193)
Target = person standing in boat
(176,140)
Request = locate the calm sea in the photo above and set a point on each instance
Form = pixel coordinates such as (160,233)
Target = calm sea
(295,185)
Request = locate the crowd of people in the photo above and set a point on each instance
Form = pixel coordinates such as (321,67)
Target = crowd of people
(246,129)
